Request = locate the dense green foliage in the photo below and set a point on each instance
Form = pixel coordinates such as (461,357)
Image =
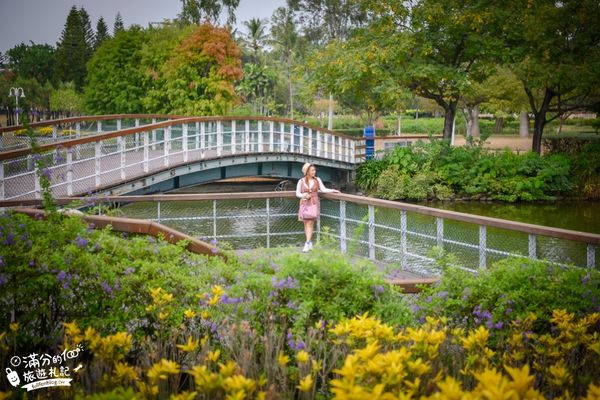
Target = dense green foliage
(435,170)
(46,265)
(512,288)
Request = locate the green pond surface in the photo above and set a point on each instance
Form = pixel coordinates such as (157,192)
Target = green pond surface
(575,215)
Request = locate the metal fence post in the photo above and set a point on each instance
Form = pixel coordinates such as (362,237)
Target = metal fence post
(247,136)
(260,137)
(202,139)
(319,134)
(146,151)
(166,145)
(121,144)
(69,171)
(118,124)
(77,129)
(214,219)
(184,141)
(197,136)
(371,232)
(532,246)
(233,137)
(99,127)
(153,135)
(482,246)
(439,224)
(301,144)
(591,255)
(282,137)
(158,211)
(219,138)
(310,142)
(268,223)
(343,245)
(97,156)
(403,255)
(271,135)
(136,142)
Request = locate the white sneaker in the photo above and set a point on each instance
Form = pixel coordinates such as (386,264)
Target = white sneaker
(306,248)
(310,246)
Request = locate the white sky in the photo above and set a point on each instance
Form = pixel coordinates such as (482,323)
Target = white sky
(42,21)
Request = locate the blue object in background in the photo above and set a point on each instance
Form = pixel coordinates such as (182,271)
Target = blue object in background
(369,135)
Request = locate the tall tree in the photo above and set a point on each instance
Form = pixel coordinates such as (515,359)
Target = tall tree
(101,33)
(358,76)
(118,25)
(439,46)
(199,11)
(286,40)
(326,20)
(255,37)
(557,48)
(115,80)
(88,32)
(32,61)
(198,77)
(72,51)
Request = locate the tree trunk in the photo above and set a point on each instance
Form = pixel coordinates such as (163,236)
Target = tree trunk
(399,124)
(538,129)
(330,116)
(539,121)
(475,131)
(498,125)
(469,121)
(524,124)
(449,114)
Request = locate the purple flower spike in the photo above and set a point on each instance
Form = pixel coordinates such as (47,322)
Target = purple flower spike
(81,242)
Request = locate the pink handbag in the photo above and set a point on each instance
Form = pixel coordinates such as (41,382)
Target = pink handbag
(308,210)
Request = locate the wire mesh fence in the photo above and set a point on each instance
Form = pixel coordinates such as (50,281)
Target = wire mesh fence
(413,241)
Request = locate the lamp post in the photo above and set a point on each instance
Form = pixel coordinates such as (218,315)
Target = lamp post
(17,92)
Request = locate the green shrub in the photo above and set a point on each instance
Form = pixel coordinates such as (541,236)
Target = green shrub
(436,170)
(512,288)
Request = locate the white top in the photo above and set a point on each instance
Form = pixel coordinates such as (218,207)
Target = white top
(322,188)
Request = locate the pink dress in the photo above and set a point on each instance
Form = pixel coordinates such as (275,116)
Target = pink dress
(314,199)
(302,188)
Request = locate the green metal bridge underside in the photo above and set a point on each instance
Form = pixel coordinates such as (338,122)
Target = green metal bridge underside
(275,165)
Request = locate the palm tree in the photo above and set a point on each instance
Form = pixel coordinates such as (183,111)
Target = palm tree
(256,36)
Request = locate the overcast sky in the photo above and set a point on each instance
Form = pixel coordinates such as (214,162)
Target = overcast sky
(42,21)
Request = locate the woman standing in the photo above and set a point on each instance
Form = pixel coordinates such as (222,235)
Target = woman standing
(307,190)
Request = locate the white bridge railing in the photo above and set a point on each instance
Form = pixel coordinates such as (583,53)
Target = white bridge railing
(95,159)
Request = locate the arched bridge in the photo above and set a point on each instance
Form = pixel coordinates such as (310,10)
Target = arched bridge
(134,153)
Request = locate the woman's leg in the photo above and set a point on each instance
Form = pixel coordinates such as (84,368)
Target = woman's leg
(309,230)
(306,230)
